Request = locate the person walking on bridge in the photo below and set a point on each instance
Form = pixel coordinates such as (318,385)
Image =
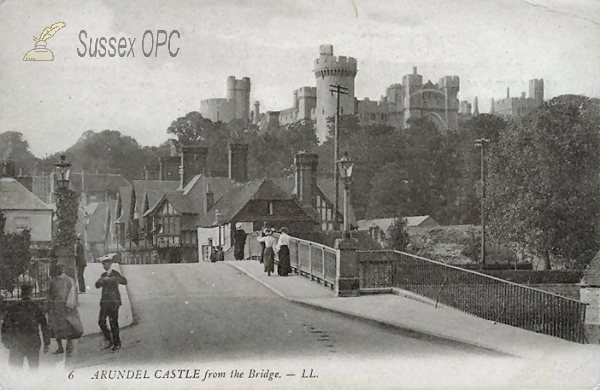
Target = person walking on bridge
(269,253)
(110,303)
(283,252)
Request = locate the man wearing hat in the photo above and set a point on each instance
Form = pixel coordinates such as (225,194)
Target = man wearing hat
(110,303)
(239,241)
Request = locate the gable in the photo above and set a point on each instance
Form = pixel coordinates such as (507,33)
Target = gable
(14,196)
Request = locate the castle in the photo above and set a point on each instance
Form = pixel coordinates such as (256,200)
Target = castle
(402,101)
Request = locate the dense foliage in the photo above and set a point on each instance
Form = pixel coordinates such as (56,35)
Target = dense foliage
(67,202)
(544,182)
(14,255)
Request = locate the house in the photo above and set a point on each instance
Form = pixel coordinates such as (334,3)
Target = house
(379,228)
(25,211)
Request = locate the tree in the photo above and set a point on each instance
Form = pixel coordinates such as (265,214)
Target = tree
(544,180)
(66,213)
(15,148)
(14,255)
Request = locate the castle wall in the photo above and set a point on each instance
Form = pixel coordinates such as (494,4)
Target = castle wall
(330,70)
(218,110)
(372,113)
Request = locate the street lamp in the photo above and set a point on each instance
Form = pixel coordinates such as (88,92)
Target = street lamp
(480,143)
(345,166)
(63,169)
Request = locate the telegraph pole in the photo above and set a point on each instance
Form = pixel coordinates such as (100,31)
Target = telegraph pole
(480,143)
(338,90)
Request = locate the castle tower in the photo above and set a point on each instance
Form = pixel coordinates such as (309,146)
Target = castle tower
(536,90)
(476,106)
(306,101)
(330,70)
(256,115)
(492,107)
(449,86)
(412,83)
(238,91)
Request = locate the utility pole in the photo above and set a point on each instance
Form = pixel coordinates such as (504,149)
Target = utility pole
(338,90)
(480,143)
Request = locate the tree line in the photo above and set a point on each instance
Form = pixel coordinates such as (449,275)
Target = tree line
(542,170)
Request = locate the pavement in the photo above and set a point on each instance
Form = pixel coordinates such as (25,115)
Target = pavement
(419,316)
(88,307)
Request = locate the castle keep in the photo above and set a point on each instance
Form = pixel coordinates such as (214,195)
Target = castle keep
(236,104)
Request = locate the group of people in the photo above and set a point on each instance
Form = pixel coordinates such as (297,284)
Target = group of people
(58,317)
(270,245)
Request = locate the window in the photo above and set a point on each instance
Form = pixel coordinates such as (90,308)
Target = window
(22,223)
(270,208)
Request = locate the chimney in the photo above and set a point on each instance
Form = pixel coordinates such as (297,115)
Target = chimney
(8,169)
(256,116)
(169,168)
(507,92)
(414,70)
(476,106)
(492,106)
(151,172)
(193,161)
(238,162)
(306,177)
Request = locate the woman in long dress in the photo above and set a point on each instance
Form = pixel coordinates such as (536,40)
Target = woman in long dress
(284,267)
(269,253)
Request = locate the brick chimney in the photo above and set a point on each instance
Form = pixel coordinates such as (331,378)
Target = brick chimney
(169,168)
(151,172)
(306,177)
(8,169)
(193,162)
(238,162)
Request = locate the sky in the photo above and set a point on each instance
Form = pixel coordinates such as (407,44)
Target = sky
(490,45)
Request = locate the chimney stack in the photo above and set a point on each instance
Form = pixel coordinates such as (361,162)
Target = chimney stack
(169,168)
(151,172)
(8,169)
(306,177)
(193,162)
(238,162)
(507,92)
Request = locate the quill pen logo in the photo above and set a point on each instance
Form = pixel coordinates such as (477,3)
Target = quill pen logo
(40,52)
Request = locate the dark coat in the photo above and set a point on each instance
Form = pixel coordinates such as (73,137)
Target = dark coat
(22,324)
(80,256)
(111,297)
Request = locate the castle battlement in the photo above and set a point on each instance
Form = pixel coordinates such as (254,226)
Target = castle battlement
(306,92)
(336,62)
(449,82)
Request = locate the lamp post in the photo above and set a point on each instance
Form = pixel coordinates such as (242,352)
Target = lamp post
(345,166)
(480,143)
(63,166)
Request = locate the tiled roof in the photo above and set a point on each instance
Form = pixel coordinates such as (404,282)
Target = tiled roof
(141,187)
(591,276)
(385,223)
(14,196)
(98,182)
(234,201)
(125,194)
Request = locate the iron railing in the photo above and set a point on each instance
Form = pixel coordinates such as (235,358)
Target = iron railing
(37,275)
(475,293)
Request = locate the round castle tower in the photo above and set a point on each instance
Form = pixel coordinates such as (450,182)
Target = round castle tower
(238,91)
(330,70)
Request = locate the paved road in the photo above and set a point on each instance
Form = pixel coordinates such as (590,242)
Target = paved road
(207,312)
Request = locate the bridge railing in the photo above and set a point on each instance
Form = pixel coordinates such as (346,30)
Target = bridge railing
(313,260)
(37,275)
(475,293)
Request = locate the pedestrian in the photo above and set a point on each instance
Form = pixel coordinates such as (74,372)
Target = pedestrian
(269,253)
(214,255)
(265,228)
(80,264)
(220,254)
(64,318)
(239,242)
(110,303)
(21,331)
(283,251)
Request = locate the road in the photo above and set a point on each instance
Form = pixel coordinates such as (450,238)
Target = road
(208,312)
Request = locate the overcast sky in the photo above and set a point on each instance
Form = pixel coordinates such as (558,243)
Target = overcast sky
(491,45)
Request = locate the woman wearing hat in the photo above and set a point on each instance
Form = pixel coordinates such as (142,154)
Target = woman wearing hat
(269,253)
(239,241)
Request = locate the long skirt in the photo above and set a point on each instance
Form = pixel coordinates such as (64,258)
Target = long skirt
(262,252)
(284,267)
(269,260)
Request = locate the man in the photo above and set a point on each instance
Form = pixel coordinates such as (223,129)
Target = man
(21,331)
(110,303)
(80,263)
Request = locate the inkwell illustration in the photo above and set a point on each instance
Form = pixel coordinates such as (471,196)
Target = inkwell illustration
(40,52)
